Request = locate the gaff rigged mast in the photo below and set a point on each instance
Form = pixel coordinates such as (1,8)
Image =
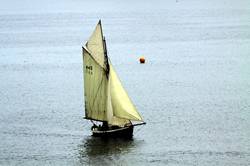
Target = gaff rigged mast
(105,98)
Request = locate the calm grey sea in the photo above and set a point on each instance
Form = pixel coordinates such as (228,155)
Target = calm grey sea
(193,91)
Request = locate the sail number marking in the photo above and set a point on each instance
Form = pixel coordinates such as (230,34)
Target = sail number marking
(89,70)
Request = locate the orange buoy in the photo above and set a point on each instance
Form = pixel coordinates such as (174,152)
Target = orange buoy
(142,60)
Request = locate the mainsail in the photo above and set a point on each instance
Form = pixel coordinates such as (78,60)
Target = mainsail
(105,97)
(95,91)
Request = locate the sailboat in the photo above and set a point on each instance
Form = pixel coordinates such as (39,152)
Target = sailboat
(106,101)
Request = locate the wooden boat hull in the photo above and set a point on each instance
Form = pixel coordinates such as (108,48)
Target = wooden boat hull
(122,132)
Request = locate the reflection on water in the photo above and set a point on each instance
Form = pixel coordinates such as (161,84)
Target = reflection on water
(94,150)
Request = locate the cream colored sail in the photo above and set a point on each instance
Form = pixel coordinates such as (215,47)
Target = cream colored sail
(95,88)
(121,104)
(105,97)
(95,45)
(112,119)
(95,78)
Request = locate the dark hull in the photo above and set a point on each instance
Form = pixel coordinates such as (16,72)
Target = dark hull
(122,132)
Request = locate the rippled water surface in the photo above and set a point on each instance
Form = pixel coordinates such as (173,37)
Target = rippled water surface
(193,91)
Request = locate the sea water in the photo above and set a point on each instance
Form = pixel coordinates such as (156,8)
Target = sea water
(193,91)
